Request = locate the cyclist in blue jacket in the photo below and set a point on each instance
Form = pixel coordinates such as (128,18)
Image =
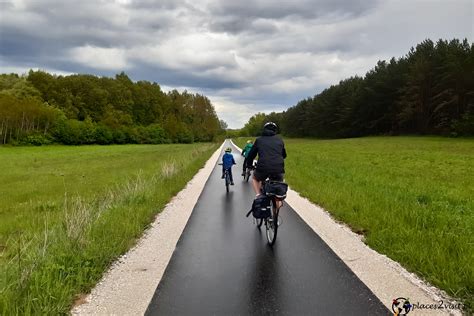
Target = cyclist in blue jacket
(227,163)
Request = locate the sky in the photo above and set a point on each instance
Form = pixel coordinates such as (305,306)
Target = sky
(246,56)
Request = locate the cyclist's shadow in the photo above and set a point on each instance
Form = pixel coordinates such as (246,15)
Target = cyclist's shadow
(228,209)
(228,201)
(265,288)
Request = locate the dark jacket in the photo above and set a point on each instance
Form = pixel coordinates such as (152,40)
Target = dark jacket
(271,153)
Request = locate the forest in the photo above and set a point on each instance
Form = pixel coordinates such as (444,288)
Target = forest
(429,91)
(41,108)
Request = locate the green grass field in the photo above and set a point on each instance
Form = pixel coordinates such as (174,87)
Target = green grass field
(67,212)
(411,197)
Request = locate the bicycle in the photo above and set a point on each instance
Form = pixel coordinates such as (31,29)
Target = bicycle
(226,178)
(276,191)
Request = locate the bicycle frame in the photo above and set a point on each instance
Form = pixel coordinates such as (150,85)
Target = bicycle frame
(226,176)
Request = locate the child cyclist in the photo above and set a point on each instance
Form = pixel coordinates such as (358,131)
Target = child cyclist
(227,163)
(245,153)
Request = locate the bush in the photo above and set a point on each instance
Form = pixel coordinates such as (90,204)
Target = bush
(156,134)
(185,137)
(88,130)
(133,135)
(119,136)
(103,135)
(36,140)
(66,132)
(74,132)
(465,126)
(141,135)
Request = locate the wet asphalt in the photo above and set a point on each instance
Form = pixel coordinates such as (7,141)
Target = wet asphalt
(222,264)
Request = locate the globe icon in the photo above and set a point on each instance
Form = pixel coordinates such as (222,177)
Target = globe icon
(401,306)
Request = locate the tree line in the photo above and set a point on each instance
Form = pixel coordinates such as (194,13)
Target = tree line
(41,108)
(430,90)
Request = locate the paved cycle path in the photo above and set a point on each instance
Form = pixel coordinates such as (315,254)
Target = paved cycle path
(222,264)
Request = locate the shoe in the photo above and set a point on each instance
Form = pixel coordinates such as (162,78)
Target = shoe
(222,177)
(232,183)
(243,174)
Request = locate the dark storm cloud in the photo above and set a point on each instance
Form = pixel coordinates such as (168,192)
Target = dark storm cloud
(70,24)
(246,55)
(181,78)
(57,15)
(17,43)
(308,9)
(239,16)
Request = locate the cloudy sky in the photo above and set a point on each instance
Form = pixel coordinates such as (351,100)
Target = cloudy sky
(247,56)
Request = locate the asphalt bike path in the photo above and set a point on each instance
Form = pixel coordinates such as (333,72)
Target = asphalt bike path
(222,264)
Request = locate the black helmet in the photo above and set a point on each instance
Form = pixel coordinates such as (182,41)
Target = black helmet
(271,126)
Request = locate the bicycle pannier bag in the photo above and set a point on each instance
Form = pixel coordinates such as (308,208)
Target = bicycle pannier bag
(277,189)
(261,207)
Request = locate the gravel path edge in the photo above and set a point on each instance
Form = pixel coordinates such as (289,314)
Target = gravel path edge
(386,278)
(128,286)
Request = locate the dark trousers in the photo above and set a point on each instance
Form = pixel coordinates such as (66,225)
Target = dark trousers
(230,173)
(245,165)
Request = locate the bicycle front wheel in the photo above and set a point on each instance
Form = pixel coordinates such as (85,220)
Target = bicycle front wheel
(272,225)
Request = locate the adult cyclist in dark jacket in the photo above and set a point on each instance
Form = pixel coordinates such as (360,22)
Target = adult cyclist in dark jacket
(271,154)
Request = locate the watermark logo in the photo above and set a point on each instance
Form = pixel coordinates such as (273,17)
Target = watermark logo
(401,306)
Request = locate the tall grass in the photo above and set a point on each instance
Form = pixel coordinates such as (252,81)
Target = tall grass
(56,245)
(411,197)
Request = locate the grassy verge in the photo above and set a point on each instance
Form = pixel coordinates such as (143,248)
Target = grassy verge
(67,212)
(411,197)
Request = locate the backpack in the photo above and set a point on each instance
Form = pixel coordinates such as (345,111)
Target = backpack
(260,207)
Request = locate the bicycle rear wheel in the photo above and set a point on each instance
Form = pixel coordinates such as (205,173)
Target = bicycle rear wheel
(272,225)
(227,182)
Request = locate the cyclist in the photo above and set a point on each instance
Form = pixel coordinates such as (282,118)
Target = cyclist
(245,153)
(227,163)
(271,154)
